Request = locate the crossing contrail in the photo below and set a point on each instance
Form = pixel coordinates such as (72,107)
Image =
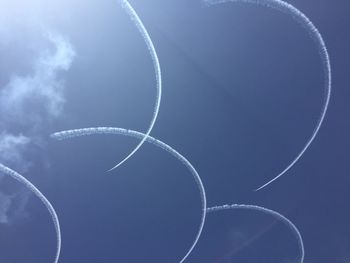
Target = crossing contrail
(316,36)
(4,169)
(63,135)
(264,210)
(136,19)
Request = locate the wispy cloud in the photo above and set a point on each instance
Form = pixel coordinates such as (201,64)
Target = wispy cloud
(13,207)
(12,147)
(32,100)
(23,99)
(28,104)
(5,204)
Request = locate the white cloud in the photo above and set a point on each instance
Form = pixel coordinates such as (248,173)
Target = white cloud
(5,204)
(13,206)
(12,147)
(29,102)
(23,99)
(33,60)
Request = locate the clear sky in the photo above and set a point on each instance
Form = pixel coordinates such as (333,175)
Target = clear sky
(242,91)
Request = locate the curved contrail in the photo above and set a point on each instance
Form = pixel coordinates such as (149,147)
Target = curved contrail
(4,169)
(119,131)
(134,17)
(275,214)
(316,36)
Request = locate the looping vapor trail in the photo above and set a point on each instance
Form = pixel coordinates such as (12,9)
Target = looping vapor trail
(119,131)
(302,19)
(134,17)
(4,169)
(275,214)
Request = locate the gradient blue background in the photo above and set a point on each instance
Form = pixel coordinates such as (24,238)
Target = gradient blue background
(242,90)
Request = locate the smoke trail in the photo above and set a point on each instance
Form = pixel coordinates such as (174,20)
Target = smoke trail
(119,131)
(264,210)
(32,188)
(316,36)
(134,17)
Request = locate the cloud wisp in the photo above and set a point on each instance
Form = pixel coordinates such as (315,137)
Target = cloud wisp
(5,204)
(12,147)
(28,103)
(30,98)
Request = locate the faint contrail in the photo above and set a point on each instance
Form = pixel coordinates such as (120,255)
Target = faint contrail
(119,131)
(134,17)
(23,180)
(275,214)
(316,36)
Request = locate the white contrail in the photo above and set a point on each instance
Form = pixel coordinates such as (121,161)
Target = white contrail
(119,131)
(134,17)
(269,212)
(316,36)
(4,169)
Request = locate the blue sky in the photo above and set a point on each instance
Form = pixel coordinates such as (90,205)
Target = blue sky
(242,90)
